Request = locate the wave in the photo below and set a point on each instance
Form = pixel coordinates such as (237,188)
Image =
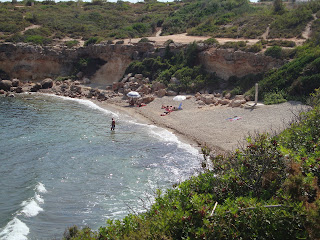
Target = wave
(167,136)
(87,103)
(18,230)
(40,188)
(15,230)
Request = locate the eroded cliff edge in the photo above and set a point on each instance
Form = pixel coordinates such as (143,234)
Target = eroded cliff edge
(106,63)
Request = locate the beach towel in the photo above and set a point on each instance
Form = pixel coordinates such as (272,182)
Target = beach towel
(234,118)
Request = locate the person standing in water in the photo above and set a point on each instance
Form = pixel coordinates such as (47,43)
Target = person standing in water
(113,124)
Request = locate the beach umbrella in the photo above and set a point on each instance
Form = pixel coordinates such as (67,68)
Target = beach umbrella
(179,98)
(133,94)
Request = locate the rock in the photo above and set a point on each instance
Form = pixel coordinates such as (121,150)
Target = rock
(132,79)
(79,75)
(124,80)
(102,97)
(208,99)
(200,102)
(5,85)
(174,80)
(18,89)
(144,89)
(47,83)
(224,101)
(2,91)
(108,87)
(218,95)
(147,99)
(35,88)
(248,98)
(145,80)
(161,92)
(15,82)
(86,81)
(227,96)
(138,76)
(76,88)
(157,86)
(239,97)
(76,83)
(236,103)
(117,85)
(171,93)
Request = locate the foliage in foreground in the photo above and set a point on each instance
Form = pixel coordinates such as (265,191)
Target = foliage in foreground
(268,189)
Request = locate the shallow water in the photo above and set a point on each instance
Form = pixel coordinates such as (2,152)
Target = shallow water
(62,166)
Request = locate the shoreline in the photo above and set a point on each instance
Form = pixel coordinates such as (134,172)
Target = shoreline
(142,118)
(209,126)
(220,128)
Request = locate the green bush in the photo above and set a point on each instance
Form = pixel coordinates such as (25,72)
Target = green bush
(274,51)
(71,44)
(92,40)
(211,41)
(273,98)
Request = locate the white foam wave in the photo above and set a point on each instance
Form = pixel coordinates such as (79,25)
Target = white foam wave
(31,208)
(87,103)
(38,198)
(167,136)
(14,230)
(41,188)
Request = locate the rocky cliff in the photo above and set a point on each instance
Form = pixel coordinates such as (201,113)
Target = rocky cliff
(106,63)
(227,62)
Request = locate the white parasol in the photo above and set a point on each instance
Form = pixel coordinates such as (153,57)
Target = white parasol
(179,98)
(133,94)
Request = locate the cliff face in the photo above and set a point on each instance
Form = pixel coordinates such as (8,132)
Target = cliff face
(226,63)
(109,61)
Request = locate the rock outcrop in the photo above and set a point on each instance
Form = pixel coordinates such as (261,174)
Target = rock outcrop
(227,62)
(105,63)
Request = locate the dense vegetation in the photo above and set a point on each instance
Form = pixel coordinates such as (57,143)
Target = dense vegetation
(108,20)
(268,189)
(180,71)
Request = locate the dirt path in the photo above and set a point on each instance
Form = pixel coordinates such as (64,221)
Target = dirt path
(307,32)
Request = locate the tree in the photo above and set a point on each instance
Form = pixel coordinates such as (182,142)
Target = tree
(278,6)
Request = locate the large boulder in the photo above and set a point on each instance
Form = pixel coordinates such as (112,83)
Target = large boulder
(15,82)
(161,92)
(5,85)
(147,99)
(47,83)
(157,86)
(75,88)
(35,87)
(171,93)
(224,101)
(117,85)
(236,103)
(144,89)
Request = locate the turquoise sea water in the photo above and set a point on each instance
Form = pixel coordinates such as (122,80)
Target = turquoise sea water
(60,165)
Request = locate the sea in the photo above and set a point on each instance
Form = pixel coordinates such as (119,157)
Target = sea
(61,165)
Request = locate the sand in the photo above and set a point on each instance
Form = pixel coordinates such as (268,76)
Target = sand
(223,129)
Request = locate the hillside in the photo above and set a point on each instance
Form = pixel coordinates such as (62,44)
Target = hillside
(70,22)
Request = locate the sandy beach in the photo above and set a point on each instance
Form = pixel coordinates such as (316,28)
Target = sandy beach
(221,128)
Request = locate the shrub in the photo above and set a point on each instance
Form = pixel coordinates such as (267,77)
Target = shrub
(273,98)
(211,41)
(71,44)
(92,40)
(274,51)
